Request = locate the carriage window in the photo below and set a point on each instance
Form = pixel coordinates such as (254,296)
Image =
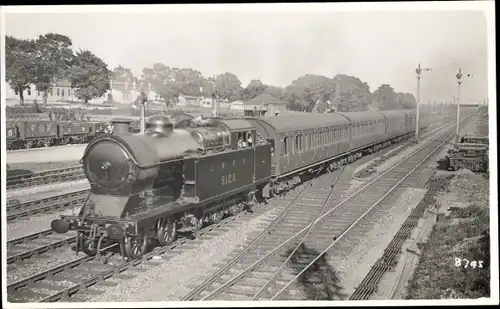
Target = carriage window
(297,144)
(285,146)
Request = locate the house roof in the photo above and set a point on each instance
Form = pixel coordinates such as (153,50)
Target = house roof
(189,97)
(264,99)
(63,83)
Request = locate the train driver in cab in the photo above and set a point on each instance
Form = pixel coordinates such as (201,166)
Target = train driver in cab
(249,139)
(109,129)
(241,142)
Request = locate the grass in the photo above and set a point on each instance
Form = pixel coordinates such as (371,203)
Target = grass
(463,234)
(34,167)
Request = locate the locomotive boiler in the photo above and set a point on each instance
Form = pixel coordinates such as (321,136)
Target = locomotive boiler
(147,186)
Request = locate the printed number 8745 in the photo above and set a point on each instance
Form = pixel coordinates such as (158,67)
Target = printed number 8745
(466,263)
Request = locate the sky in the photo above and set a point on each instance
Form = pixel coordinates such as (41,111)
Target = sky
(379,47)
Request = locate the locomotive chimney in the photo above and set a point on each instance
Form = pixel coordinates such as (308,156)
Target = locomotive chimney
(121,125)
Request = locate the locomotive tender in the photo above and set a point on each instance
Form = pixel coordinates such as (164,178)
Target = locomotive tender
(147,187)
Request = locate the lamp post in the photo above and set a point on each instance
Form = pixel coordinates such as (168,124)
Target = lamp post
(419,71)
(142,103)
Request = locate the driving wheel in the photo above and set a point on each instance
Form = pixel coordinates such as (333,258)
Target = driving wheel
(167,231)
(135,246)
(216,216)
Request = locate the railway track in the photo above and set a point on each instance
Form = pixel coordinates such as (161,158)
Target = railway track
(258,271)
(23,248)
(83,273)
(58,202)
(87,271)
(45,177)
(389,259)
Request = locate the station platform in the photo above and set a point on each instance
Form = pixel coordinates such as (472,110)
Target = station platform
(49,154)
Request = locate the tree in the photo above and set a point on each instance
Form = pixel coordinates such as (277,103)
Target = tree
(53,57)
(189,82)
(254,89)
(89,75)
(275,91)
(353,94)
(121,73)
(309,90)
(19,69)
(162,79)
(385,97)
(172,82)
(228,86)
(405,100)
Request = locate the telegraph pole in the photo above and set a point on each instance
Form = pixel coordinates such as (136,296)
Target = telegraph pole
(419,71)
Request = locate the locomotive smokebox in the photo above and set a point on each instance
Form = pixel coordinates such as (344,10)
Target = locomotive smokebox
(121,125)
(160,125)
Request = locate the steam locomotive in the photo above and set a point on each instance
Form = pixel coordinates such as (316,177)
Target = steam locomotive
(147,187)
